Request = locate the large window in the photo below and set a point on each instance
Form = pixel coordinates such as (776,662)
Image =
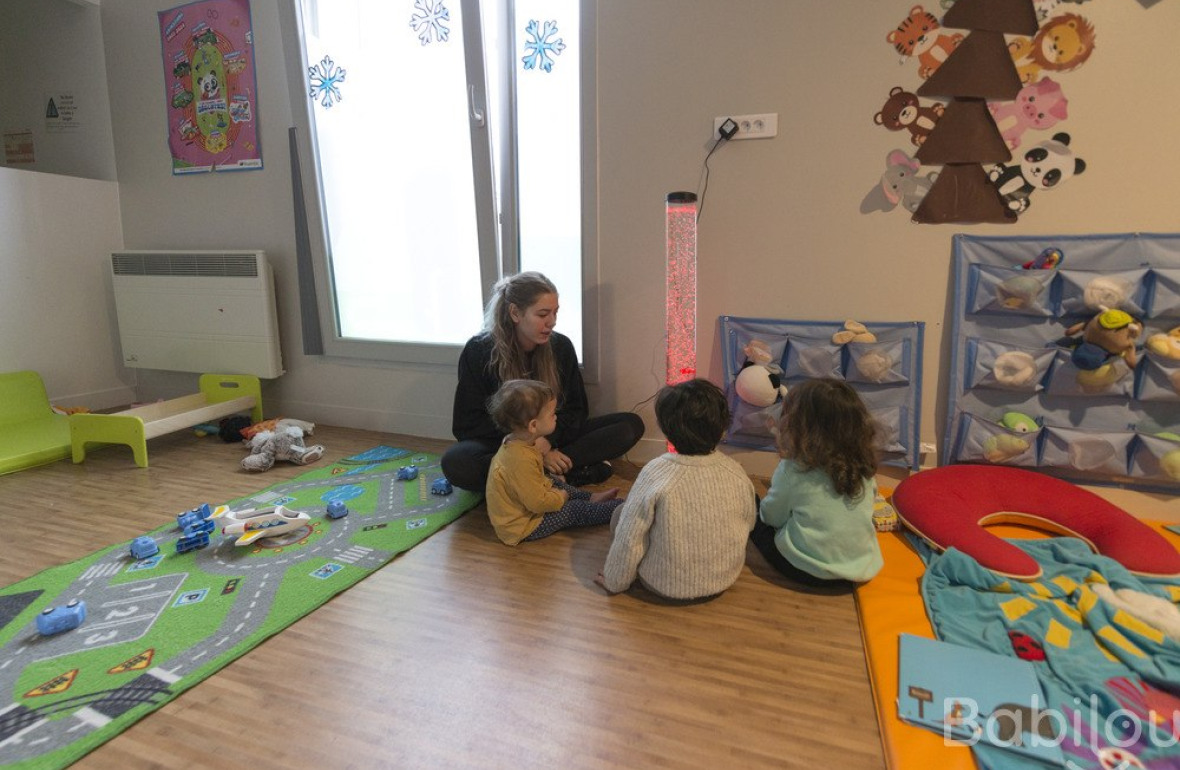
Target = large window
(440,146)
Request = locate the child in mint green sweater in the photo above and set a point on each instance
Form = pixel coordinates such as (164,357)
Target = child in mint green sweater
(816,523)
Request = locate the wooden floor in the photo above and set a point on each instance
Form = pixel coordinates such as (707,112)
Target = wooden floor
(465,653)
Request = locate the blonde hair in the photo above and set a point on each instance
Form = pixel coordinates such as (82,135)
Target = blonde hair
(508,360)
(517,403)
(825,425)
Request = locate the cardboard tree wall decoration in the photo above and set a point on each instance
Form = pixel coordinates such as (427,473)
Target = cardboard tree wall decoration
(966,137)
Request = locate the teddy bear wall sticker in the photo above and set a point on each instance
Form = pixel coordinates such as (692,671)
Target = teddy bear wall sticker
(992,89)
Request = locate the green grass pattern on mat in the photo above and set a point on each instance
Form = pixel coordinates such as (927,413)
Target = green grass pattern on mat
(151,633)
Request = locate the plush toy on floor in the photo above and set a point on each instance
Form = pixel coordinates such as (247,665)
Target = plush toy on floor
(284,444)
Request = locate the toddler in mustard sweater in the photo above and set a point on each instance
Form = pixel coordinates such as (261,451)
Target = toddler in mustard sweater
(523,502)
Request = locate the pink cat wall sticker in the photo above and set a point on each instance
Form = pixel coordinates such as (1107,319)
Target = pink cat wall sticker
(1039,105)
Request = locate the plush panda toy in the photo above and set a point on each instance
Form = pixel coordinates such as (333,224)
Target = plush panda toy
(759,382)
(1046,165)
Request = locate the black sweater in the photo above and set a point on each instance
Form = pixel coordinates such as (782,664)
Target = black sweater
(477,383)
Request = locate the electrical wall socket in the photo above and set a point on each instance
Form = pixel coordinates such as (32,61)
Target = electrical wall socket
(763,126)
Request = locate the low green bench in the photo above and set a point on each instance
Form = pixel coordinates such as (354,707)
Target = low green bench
(31,433)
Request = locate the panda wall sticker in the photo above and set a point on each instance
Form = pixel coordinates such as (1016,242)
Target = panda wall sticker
(983,107)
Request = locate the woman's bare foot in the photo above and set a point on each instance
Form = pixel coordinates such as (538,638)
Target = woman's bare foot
(604,495)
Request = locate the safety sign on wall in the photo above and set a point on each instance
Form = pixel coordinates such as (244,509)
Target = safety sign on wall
(61,112)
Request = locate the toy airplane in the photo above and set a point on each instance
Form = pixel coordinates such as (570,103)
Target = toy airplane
(254,524)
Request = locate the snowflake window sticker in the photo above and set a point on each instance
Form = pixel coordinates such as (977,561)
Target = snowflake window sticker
(540,47)
(428,20)
(325,79)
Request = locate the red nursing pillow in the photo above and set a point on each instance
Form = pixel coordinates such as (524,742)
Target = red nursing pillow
(948,506)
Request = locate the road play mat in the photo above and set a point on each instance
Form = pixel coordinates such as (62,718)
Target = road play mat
(156,626)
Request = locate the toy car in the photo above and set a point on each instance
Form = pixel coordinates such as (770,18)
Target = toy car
(199,513)
(54,620)
(192,542)
(337,509)
(143,546)
(407,472)
(441,486)
(197,527)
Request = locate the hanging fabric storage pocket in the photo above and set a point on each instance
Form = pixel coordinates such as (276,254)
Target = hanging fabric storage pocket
(1001,366)
(891,436)
(1111,379)
(752,426)
(1104,453)
(1005,290)
(1156,457)
(879,363)
(1086,292)
(984,441)
(813,358)
(1159,378)
(1165,294)
(807,349)
(758,372)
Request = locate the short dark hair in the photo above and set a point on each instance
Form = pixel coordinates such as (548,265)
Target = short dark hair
(693,415)
(517,402)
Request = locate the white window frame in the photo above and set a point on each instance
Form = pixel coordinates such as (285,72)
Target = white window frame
(496,224)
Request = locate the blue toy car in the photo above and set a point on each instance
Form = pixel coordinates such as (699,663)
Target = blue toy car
(407,472)
(54,620)
(192,542)
(197,527)
(200,513)
(337,509)
(441,486)
(143,546)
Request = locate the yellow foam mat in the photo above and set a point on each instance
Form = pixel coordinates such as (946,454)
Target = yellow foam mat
(889,605)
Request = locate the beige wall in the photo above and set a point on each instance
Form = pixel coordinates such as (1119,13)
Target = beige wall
(782,234)
(54,317)
(49,48)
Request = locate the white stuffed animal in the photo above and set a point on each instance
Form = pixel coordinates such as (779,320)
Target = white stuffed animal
(284,444)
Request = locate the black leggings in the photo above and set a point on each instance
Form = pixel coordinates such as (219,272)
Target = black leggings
(466,463)
(762,536)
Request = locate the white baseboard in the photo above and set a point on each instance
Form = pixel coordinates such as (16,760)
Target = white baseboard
(385,421)
(97,399)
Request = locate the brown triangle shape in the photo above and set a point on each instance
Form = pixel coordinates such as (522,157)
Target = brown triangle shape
(966,133)
(962,193)
(1015,17)
(980,67)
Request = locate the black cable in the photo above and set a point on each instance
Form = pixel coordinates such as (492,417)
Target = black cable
(705,174)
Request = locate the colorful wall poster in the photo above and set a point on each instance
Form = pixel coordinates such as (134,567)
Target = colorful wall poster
(208,50)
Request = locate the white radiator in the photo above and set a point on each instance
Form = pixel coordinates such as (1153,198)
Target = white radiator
(197,311)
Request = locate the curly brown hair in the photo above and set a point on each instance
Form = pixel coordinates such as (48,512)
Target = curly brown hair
(825,425)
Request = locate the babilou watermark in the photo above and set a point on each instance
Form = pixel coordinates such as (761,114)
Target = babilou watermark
(1091,725)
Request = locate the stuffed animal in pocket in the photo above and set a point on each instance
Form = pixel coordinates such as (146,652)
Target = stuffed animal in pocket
(1106,335)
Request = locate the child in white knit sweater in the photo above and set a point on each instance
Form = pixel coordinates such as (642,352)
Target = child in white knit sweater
(683,529)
